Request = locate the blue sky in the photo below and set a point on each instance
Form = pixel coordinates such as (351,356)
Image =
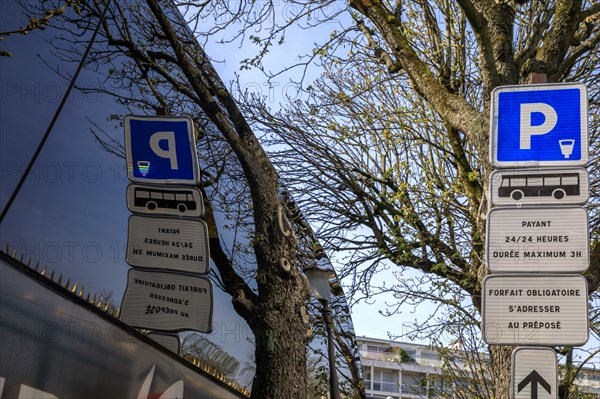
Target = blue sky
(367,316)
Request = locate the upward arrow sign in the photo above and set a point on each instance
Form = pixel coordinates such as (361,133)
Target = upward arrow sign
(534,378)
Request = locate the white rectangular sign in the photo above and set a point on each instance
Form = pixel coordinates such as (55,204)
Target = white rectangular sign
(167,301)
(165,200)
(168,243)
(553,186)
(525,309)
(548,239)
(534,373)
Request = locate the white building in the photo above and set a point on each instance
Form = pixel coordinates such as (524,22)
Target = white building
(589,381)
(403,370)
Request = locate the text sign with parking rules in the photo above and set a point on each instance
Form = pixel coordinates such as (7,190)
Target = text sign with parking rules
(535,309)
(541,239)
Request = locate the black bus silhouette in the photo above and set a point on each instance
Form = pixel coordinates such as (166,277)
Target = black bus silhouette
(152,199)
(557,185)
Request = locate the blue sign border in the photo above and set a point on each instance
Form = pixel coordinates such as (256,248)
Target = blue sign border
(533,163)
(194,181)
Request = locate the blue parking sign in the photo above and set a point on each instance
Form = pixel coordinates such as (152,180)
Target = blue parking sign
(161,149)
(539,125)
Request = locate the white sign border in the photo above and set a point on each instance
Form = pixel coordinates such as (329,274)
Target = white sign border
(493,146)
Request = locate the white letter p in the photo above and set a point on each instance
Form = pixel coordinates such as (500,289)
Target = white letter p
(170,152)
(527,130)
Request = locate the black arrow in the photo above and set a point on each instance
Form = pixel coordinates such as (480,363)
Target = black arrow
(534,378)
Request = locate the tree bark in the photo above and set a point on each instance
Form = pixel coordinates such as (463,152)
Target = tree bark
(280,338)
(501,359)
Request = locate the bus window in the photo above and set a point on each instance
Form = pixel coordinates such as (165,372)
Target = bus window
(180,197)
(570,180)
(517,182)
(552,181)
(535,181)
(190,197)
(169,196)
(156,195)
(142,194)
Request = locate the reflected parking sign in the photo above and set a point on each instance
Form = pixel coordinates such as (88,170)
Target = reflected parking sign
(161,150)
(539,125)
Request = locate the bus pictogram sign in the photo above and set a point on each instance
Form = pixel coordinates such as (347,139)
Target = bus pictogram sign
(552,186)
(165,200)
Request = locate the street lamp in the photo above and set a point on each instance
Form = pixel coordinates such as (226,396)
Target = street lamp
(321,290)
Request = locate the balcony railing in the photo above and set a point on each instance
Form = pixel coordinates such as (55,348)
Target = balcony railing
(414,390)
(397,358)
(379,386)
(383,356)
(430,362)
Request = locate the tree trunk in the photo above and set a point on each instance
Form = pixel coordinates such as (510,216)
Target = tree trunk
(280,345)
(501,366)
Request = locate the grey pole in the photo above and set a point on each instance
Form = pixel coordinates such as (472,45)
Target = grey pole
(334,386)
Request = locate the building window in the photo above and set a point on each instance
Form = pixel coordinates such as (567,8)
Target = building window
(385,381)
(414,383)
